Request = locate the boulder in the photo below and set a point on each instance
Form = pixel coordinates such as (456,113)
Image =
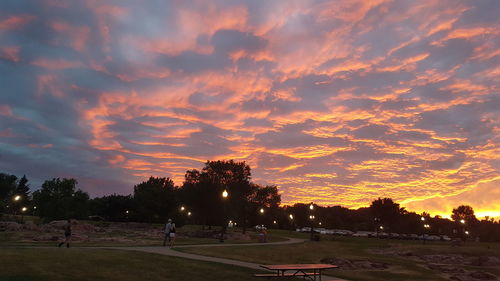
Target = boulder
(484,261)
(29,225)
(47,237)
(10,226)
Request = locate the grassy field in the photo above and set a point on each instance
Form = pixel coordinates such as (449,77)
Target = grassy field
(375,250)
(14,239)
(403,258)
(78,264)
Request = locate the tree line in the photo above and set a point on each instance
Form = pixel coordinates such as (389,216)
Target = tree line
(200,200)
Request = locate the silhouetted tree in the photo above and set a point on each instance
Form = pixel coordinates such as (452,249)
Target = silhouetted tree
(266,197)
(154,199)
(113,207)
(7,190)
(59,199)
(463,212)
(387,211)
(214,178)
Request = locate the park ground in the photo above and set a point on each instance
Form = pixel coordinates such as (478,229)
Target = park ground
(359,258)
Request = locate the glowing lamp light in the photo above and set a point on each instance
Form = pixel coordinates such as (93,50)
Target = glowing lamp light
(274,222)
(261,210)
(311,207)
(189,213)
(127,211)
(182,208)
(466,232)
(17,198)
(24,209)
(319,223)
(225,194)
(462,221)
(291,216)
(381,227)
(422,219)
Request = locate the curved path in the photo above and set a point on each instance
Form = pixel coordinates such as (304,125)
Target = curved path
(171,252)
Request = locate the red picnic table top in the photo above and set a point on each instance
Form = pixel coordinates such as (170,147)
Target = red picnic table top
(302,266)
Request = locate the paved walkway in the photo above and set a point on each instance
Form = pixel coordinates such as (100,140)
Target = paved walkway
(172,252)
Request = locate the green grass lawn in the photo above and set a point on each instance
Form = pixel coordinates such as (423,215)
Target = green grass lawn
(375,250)
(79,264)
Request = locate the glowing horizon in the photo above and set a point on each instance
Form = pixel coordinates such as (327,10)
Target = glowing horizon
(335,102)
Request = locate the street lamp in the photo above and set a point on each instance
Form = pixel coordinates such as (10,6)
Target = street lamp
(23,209)
(182,208)
(16,199)
(225,194)
(311,217)
(462,221)
(426,227)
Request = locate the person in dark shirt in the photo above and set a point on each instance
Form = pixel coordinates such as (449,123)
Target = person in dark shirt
(67,234)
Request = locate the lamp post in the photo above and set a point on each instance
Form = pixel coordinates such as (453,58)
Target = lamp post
(16,200)
(23,209)
(463,233)
(426,227)
(311,218)
(377,222)
(225,194)
(261,211)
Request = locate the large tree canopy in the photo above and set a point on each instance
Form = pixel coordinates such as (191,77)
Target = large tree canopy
(386,211)
(154,199)
(59,199)
(463,212)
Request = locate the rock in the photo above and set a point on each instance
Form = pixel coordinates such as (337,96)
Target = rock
(443,259)
(58,224)
(484,261)
(84,227)
(481,275)
(474,276)
(47,237)
(10,226)
(446,268)
(30,226)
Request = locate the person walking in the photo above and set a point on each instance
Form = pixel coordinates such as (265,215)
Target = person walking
(168,229)
(67,234)
(172,235)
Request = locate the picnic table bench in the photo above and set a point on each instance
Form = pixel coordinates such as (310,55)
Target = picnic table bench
(307,271)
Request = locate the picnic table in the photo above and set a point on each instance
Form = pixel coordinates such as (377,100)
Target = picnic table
(310,271)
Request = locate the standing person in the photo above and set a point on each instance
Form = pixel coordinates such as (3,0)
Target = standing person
(172,235)
(168,228)
(67,234)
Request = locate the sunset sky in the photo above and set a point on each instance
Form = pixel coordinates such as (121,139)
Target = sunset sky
(336,102)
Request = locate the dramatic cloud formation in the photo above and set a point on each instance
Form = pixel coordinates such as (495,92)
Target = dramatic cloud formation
(336,102)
